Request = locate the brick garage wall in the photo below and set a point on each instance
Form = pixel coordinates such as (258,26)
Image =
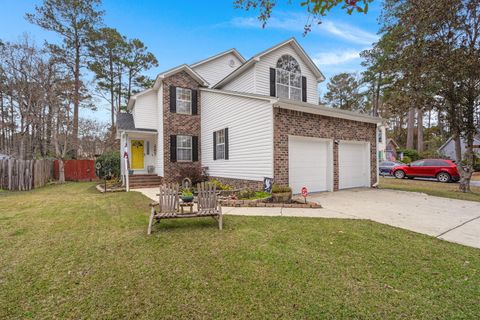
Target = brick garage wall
(179,124)
(289,122)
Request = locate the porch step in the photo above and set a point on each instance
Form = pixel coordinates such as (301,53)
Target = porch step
(144,181)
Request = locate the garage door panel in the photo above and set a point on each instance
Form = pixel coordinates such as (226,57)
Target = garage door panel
(308,164)
(354,165)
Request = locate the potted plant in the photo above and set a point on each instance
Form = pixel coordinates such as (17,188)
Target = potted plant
(187,196)
(281,193)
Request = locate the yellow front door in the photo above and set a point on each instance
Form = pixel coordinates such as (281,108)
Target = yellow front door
(137,154)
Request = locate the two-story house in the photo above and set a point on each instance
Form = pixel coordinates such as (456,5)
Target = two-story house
(243,121)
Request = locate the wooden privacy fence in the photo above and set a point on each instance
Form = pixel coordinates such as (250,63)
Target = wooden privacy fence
(21,175)
(77,170)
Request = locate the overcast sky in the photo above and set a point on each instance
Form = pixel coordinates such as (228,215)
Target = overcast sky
(187,31)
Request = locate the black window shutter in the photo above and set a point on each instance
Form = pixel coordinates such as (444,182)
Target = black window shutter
(194,102)
(173,99)
(194,148)
(226,143)
(173,148)
(304,89)
(273,92)
(214,145)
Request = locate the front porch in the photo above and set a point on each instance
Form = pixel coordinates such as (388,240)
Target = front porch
(141,147)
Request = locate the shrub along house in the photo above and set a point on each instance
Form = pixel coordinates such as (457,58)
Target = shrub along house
(243,121)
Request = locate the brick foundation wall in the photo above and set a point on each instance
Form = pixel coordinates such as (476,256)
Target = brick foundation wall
(289,122)
(179,124)
(239,183)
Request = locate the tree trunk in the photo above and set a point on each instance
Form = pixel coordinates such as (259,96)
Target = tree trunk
(420,145)
(61,171)
(76,97)
(465,164)
(410,128)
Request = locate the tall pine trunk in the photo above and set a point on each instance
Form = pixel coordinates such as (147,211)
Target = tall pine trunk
(410,128)
(420,144)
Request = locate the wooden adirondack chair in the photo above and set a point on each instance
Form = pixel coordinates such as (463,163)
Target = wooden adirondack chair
(168,205)
(208,203)
(168,201)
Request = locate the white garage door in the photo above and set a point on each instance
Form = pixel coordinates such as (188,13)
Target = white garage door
(309,164)
(353,164)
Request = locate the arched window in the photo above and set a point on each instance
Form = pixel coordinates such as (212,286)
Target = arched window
(288,78)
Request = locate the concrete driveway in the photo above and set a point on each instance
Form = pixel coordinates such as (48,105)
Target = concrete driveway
(452,220)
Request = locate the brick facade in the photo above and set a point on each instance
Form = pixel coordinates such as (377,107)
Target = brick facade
(288,122)
(179,124)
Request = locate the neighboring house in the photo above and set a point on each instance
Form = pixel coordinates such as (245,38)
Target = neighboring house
(242,121)
(382,142)
(391,150)
(448,148)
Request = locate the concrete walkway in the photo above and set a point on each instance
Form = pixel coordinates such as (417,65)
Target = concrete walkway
(449,219)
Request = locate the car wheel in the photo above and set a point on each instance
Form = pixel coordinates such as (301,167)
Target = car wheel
(399,174)
(444,177)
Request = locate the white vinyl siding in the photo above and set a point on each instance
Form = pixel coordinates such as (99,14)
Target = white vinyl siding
(250,136)
(145,111)
(262,73)
(215,70)
(245,82)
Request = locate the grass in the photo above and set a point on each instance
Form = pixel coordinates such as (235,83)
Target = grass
(433,188)
(70,252)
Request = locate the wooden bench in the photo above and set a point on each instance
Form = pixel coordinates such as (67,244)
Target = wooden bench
(169,202)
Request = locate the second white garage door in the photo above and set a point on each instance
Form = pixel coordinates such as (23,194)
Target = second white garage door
(310,164)
(353,164)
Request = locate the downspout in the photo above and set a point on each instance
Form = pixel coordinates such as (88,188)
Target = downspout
(375,185)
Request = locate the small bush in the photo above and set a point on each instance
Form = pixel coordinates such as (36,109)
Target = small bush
(406,159)
(220,186)
(278,188)
(246,194)
(193,173)
(109,165)
(430,154)
(410,153)
(476,166)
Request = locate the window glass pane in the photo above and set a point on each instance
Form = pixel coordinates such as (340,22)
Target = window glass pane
(184,100)
(184,154)
(220,136)
(282,91)
(184,107)
(184,141)
(295,93)
(418,163)
(296,80)
(283,77)
(220,151)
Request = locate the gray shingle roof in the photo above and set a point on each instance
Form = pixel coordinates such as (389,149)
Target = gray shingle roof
(125,122)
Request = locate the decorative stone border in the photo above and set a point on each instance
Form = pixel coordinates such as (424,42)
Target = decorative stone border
(101,188)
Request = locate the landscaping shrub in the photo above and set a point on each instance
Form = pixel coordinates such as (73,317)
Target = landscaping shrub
(246,194)
(220,185)
(193,173)
(406,159)
(410,153)
(110,165)
(476,166)
(430,154)
(278,188)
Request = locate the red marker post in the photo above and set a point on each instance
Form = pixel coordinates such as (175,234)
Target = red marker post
(305,193)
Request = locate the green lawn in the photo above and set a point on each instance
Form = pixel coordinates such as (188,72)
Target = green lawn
(70,252)
(433,188)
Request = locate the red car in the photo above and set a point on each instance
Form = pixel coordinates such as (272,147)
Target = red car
(442,170)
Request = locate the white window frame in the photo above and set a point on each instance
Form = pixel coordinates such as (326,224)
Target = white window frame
(178,93)
(219,144)
(290,86)
(184,148)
